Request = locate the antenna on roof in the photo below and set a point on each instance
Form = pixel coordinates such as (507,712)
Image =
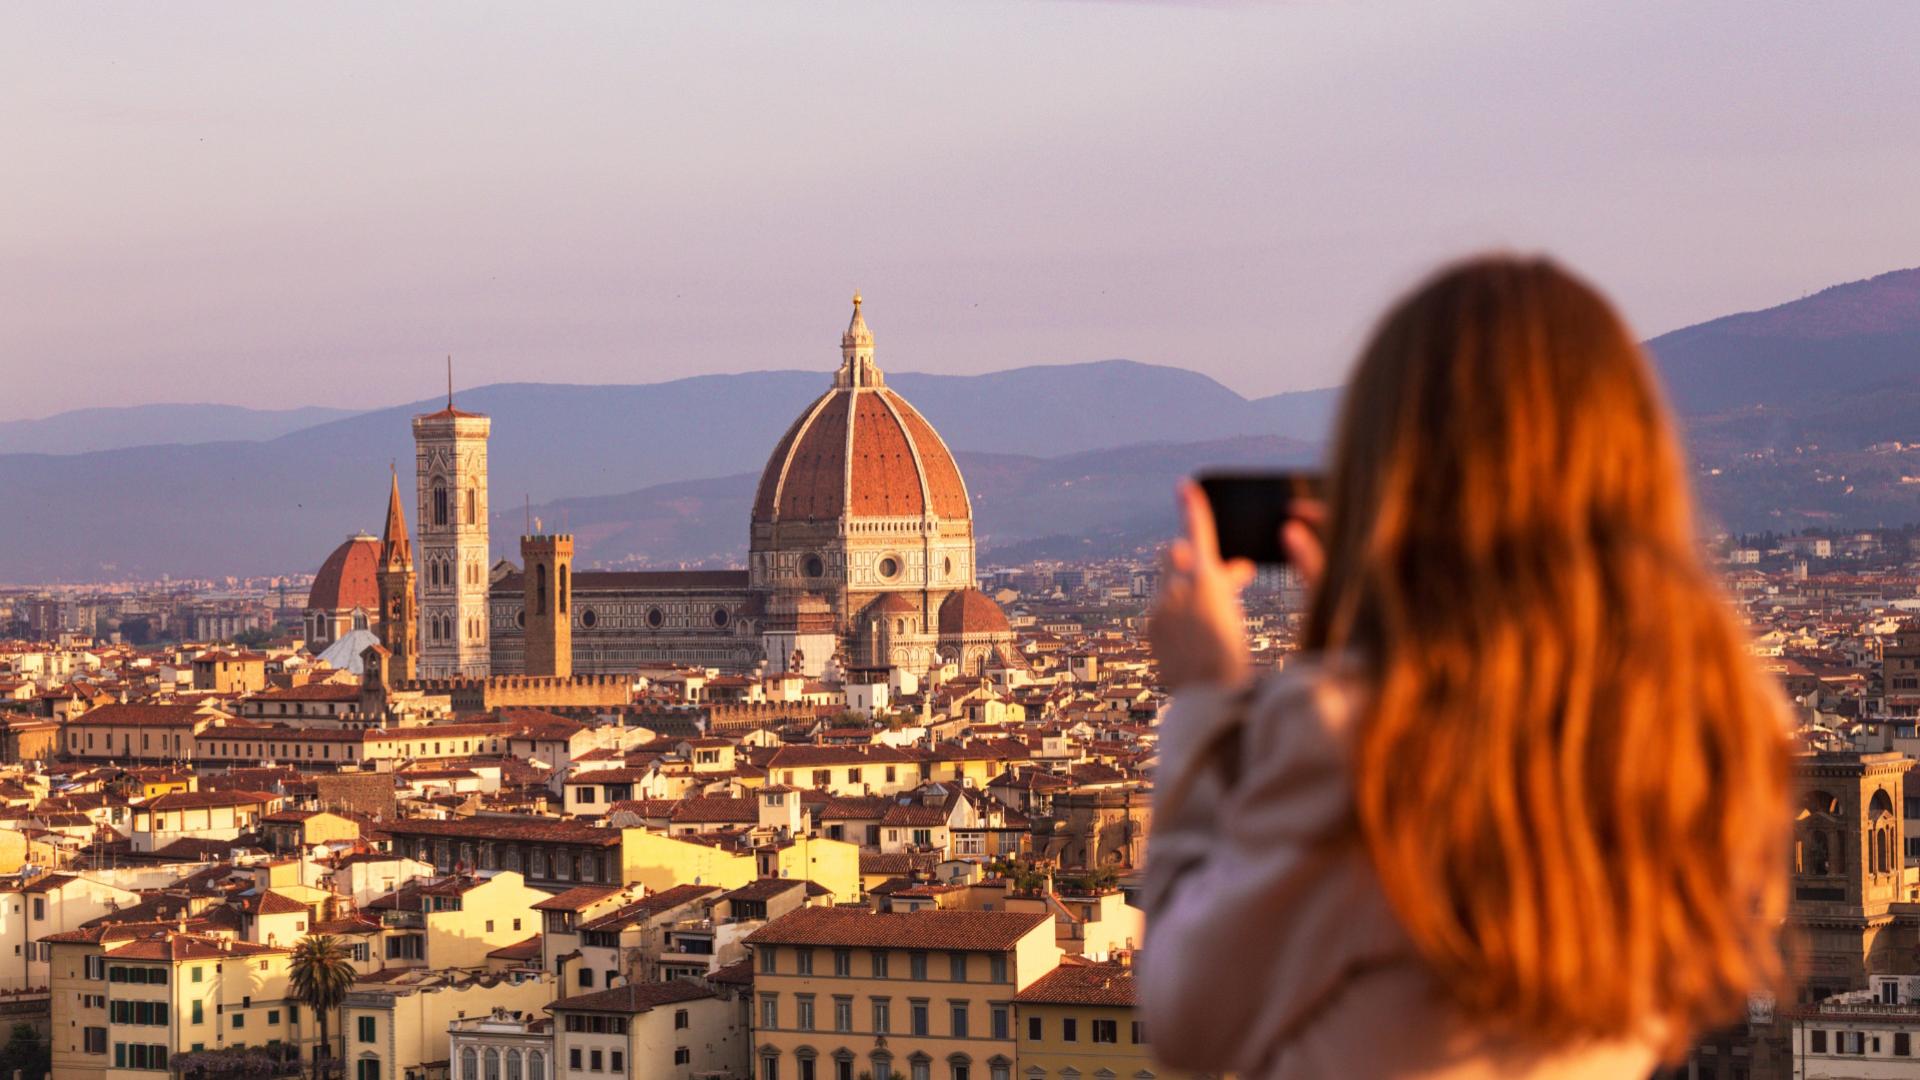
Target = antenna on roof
(529,498)
(449,381)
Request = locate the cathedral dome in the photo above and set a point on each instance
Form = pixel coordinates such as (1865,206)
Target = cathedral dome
(860,451)
(346,580)
(970,611)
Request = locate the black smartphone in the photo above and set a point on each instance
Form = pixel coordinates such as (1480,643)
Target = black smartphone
(1249,509)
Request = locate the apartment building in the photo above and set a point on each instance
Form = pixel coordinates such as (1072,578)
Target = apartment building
(656,1030)
(126,998)
(1079,1020)
(927,995)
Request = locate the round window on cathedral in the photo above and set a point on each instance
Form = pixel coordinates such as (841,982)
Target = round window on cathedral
(520,618)
(720,616)
(815,567)
(656,618)
(889,567)
(588,618)
(949,565)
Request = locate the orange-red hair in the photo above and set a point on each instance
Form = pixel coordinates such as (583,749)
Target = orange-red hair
(1571,775)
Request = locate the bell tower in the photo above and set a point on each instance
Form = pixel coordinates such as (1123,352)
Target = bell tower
(450,462)
(399,629)
(548,584)
(1849,868)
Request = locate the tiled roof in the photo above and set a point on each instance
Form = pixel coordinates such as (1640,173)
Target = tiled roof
(763,889)
(578,898)
(524,950)
(716,809)
(648,906)
(961,931)
(634,997)
(1081,984)
(117,715)
(507,828)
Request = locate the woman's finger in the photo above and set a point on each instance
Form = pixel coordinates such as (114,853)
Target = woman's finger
(1240,573)
(1304,550)
(1200,528)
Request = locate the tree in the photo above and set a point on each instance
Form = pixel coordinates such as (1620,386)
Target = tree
(25,1053)
(321,977)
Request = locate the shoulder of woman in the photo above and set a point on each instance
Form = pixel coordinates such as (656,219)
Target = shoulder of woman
(1312,695)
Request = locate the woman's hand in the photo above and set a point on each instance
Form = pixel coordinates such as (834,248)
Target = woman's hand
(1198,630)
(1300,537)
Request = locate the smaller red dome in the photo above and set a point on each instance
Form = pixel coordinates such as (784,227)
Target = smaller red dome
(346,580)
(970,611)
(893,603)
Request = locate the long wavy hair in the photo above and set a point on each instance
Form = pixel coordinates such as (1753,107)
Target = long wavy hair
(1571,776)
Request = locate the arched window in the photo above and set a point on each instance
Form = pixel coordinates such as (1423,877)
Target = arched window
(439,502)
(473,506)
(513,1065)
(536,1065)
(493,1064)
(562,593)
(540,589)
(469,1064)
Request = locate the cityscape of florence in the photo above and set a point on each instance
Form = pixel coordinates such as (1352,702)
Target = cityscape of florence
(548,544)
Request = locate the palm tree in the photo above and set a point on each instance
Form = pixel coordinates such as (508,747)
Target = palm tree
(321,977)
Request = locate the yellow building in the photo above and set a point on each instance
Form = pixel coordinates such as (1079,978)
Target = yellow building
(455,921)
(397,1029)
(230,672)
(126,998)
(680,1030)
(660,862)
(928,995)
(1078,1021)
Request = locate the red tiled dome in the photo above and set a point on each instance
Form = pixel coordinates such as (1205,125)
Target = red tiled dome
(860,451)
(346,580)
(970,611)
(892,603)
(895,465)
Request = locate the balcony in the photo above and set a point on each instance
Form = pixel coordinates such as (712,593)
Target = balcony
(403,920)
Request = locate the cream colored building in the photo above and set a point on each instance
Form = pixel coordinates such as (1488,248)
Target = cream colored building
(929,995)
(51,903)
(397,1029)
(126,999)
(676,1030)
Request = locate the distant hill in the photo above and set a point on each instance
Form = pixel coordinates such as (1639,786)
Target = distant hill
(1791,412)
(82,430)
(1848,340)
(281,504)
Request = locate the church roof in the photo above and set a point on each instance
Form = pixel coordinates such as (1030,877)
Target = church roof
(970,611)
(346,580)
(860,450)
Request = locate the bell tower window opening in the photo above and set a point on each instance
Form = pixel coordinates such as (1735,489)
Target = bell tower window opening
(473,506)
(561,594)
(439,502)
(540,589)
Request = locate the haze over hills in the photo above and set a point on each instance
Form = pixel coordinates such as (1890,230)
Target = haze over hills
(1790,414)
(81,430)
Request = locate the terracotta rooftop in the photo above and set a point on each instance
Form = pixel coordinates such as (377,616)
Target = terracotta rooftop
(633,998)
(1081,984)
(957,931)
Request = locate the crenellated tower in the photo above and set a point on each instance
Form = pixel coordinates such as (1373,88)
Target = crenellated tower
(548,584)
(399,626)
(450,451)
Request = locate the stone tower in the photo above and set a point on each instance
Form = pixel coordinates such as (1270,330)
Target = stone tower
(450,454)
(548,581)
(1849,865)
(399,607)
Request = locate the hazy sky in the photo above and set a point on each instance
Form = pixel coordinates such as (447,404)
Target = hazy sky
(279,205)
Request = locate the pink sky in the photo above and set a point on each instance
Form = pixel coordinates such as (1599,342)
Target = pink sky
(290,205)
